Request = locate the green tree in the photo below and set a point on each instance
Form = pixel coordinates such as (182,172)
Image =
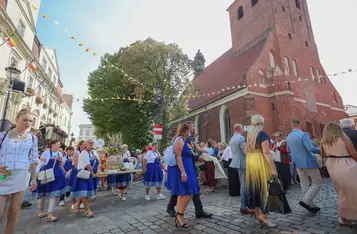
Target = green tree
(151,63)
(198,63)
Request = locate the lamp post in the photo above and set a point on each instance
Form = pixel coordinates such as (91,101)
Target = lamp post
(72,139)
(11,72)
(158,96)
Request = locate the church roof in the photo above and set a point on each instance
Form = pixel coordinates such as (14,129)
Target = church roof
(226,71)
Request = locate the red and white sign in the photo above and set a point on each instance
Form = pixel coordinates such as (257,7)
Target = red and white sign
(157,129)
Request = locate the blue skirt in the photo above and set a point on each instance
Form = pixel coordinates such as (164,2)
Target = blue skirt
(176,186)
(153,176)
(117,180)
(71,179)
(53,189)
(83,188)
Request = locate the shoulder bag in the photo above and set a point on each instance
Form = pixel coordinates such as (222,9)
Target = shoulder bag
(85,174)
(47,176)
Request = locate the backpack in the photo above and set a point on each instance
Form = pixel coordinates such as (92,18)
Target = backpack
(169,153)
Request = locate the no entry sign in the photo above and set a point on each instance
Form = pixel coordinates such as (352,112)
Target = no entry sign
(157,129)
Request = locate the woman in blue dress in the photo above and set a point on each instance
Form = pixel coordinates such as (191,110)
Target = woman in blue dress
(84,188)
(95,158)
(67,166)
(121,182)
(181,179)
(153,176)
(53,190)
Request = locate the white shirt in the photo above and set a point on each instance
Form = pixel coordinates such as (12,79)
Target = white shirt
(45,157)
(83,160)
(151,156)
(277,156)
(227,154)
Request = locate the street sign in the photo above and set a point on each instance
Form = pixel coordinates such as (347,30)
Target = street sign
(157,129)
(158,137)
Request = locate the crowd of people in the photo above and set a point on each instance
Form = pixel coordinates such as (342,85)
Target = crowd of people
(251,161)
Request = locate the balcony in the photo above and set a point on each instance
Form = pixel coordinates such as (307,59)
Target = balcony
(3,4)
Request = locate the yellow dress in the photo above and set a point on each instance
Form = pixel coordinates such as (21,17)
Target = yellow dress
(257,176)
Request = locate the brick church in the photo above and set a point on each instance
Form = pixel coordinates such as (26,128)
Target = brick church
(273,68)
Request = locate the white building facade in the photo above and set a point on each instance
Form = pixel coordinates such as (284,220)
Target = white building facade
(43,86)
(86,132)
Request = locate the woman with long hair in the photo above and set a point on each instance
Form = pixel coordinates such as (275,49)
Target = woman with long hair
(52,190)
(342,167)
(181,179)
(84,188)
(260,169)
(18,154)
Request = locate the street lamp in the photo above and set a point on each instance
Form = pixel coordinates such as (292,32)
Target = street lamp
(158,102)
(12,73)
(72,139)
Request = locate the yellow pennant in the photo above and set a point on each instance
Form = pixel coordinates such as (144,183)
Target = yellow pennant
(81,44)
(45,16)
(34,8)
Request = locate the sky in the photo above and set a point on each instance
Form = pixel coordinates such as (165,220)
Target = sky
(193,25)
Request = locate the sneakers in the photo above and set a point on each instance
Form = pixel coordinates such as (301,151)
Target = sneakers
(26,204)
(114,191)
(160,197)
(81,206)
(72,207)
(123,198)
(62,203)
(147,197)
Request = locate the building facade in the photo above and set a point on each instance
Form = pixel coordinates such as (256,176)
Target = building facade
(86,132)
(43,86)
(273,68)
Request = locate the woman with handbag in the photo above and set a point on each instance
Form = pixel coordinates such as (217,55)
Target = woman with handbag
(18,154)
(83,186)
(260,169)
(51,180)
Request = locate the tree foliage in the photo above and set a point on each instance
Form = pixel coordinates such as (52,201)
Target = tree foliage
(151,63)
(198,63)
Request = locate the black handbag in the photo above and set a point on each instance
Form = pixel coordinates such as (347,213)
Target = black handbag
(277,201)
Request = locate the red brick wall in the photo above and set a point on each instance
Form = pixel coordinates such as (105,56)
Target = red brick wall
(3,4)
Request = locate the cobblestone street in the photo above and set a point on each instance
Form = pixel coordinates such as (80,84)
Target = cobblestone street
(139,216)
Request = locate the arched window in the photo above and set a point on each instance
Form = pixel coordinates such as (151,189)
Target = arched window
(287,66)
(225,124)
(297,3)
(272,58)
(312,73)
(334,97)
(318,75)
(254,2)
(290,37)
(283,8)
(240,12)
(261,77)
(306,44)
(294,67)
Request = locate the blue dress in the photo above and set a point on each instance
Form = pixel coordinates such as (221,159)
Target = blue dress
(120,180)
(153,176)
(95,170)
(55,188)
(174,183)
(83,187)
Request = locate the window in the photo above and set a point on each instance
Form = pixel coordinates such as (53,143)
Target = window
(312,73)
(300,17)
(289,87)
(283,8)
(272,106)
(306,44)
(88,132)
(21,28)
(14,61)
(45,97)
(318,75)
(287,66)
(334,97)
(294,67)
(49,73)
(254,2)
(227,125)
(325,80)
(290,37)
(261,77)
(297,3)
(39,90)
(30,83)
(81,132)
(240,12)
(44,64)
(272,59)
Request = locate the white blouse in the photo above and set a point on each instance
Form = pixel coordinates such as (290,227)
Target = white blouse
(151,156)
(83,160)
(18,154)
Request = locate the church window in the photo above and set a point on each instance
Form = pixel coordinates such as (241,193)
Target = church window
(289,87)
(294,67)
(283,8)
(318,75)
(290,37)
(227,125)
(297,3)
(261,77)
(334,96)
(312,73)
(254,2)
(300,17)
(272,59)
(306,44)
(325,80)
(240,12)
(287,65)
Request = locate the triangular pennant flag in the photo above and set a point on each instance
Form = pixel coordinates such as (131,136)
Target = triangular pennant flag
(81,44)
(343,72)
(255,85)
(223,90)
(349,70)
(10,42)
(34,8)
(208,94)
(45,16)
(66,30)
(335,74)
(250,86)
(118,97)
(227,88)
(94,53)
(88,49)
(57,22)
(233,87)
(129,98)
(72,37)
